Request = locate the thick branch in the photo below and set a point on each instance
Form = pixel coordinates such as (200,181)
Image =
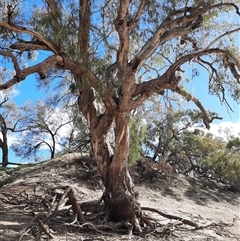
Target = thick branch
(29,45)
(14,59)
(40,68)
(121,26)
(164,34)
(169,81)
(195,55)
(225,4)
(56,26)
(31,32)
(84,30)
(175,25)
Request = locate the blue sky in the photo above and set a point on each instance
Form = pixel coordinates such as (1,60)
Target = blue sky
(199,88)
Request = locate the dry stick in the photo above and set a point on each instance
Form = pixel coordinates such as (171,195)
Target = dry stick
(59,203)
(29,224)
(75,220)
(75,206)
(94,216)
(44,228)
(185,221)
(92,226)
(91,206)
(76,209)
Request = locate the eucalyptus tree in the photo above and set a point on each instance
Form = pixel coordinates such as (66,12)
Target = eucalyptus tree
(121,53)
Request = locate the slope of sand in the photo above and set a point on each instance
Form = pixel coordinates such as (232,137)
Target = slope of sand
(205,204)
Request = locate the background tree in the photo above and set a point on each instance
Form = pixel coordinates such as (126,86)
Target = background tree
(47,129)
(179,138)
(3,139)
(10,121)
(125,51)
(137,132)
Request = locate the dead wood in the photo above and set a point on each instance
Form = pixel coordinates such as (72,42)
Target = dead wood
(94,211)
(44,227)
(92,206)
(169,216)
(27,228)
(76,208)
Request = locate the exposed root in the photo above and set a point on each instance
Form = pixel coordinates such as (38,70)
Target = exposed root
(169,216)
(44,217)
(59,208)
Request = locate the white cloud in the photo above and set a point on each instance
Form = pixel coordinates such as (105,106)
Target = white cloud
(9,93)
(224,128)
(11,138)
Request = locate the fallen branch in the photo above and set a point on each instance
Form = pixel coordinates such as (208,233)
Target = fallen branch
(44,228)
(75,206)
(26,229)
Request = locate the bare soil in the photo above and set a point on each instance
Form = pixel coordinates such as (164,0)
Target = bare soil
(23,191)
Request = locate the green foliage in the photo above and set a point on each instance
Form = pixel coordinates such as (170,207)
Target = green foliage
(137,134)
(223,161)
(193,151)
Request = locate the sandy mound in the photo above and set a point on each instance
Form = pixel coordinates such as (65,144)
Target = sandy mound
(22,192)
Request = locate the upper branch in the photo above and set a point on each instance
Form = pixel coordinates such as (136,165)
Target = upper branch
(221,36)
(188,97)
(4,101)
(178,23)
(228,58)
(84,30)
(56,26)
(226,4)
(169,29)
(136,18)
(31,32)
(169,81)
(14,59)
(121,25)
(29,45)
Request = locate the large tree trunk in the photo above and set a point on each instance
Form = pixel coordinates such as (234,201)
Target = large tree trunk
(119,196)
